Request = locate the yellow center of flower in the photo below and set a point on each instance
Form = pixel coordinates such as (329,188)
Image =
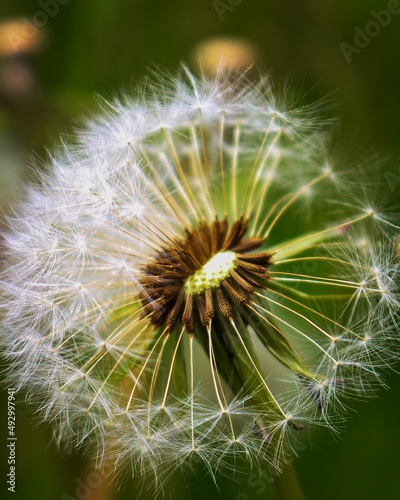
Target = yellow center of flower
(212,273)
(212,269)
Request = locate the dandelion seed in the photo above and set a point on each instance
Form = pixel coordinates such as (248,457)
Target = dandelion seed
(192,282)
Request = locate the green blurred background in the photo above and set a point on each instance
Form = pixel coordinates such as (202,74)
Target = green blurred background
(102,46)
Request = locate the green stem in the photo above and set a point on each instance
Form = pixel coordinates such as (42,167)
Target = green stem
(288,486)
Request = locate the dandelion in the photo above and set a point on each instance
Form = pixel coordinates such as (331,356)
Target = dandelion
(195,280)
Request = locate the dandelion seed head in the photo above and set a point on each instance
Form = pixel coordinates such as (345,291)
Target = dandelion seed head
(196,281)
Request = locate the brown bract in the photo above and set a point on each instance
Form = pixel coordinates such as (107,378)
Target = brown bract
(165,298)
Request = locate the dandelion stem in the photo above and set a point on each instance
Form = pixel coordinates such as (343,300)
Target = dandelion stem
(235,157)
